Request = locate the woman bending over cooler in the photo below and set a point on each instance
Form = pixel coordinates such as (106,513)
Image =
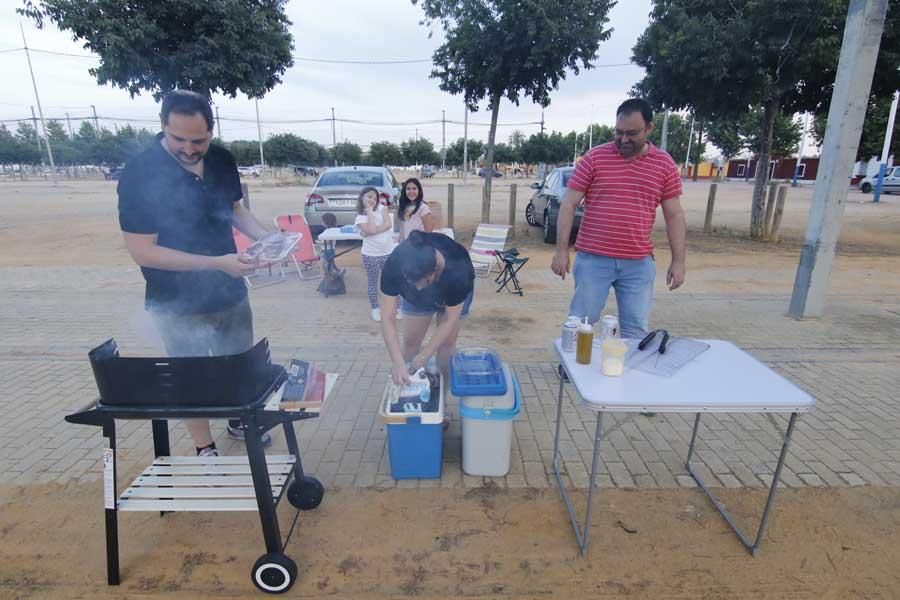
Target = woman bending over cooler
(428,275)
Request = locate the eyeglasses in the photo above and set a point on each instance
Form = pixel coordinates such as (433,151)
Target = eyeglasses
(630,133)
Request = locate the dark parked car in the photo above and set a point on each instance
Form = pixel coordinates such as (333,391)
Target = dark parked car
(543,208)
(113,173)
(483,173)
(305,170)
(428,171)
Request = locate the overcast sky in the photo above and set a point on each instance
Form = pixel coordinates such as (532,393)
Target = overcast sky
(336,30)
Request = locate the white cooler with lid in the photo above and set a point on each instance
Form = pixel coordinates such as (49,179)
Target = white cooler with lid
(487,418)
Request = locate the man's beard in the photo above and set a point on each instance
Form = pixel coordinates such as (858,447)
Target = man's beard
(629,148)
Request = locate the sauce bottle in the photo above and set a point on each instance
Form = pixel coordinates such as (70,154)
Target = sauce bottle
(585,343)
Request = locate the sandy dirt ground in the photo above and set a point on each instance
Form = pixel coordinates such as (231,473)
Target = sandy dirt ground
(477,543)
(484,542)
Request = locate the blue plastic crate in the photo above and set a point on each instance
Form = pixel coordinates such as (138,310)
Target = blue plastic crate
(477,372)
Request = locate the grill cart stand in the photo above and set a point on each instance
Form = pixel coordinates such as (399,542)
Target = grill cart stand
(225,483)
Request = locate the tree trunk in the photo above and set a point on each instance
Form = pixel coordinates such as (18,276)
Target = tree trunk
(489,162)
(758,207)
(697,152)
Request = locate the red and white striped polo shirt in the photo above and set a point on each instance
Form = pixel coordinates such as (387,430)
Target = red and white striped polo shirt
(620,199)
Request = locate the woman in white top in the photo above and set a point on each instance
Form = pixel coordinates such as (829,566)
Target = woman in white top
(412,211)
(376,229)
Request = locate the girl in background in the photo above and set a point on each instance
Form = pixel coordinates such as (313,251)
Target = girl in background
(413,212)
(375,226)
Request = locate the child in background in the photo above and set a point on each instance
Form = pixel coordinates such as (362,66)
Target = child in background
(375,226)
(413,212)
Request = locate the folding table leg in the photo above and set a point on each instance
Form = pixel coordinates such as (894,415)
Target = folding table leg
(160,437)
(752,547)
(112,520)
(259,472)
(582,534)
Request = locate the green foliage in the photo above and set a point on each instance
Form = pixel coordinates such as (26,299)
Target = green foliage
(719,58)
(734,135)
(496,49)
(455,151)
(222,46)
(601,135)
(504,153)
(347,153)
(384,153)
(553,148)
(10,150)
(245,153)
(289,149)
(872,141)
(679,130)
(419,152)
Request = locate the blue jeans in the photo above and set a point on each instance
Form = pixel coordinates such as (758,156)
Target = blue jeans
(632,278)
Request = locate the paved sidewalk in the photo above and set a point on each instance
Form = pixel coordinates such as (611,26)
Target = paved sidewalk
(849,360)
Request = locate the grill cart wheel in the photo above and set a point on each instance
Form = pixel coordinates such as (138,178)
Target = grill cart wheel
(306,493)
(274,573)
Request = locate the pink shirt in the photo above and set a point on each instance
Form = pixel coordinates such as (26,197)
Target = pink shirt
(620,199)
(415,222)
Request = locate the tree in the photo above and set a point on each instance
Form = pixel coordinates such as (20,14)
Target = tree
(596,135)
(516,139)
(872,141)
(27,139)
(504,153)
(10,152)
(222,46)
(347,153)
(677,140)
(385,153)
(419,152)
(245,153)
(727,134)
(455,151)
(781,55)
(497,49)
(287,148)
(785,133)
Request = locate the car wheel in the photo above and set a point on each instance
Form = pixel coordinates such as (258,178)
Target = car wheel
(549,233)
(866,187)
(529,215)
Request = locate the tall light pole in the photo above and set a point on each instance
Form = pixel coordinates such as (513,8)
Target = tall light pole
(443,140)
(262,159)
(664,141)
(687,158)
(333,137)
(887,147)
(40,110)
(465,143)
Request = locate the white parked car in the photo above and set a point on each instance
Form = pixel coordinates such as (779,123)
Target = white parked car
(248,171)
(891,182)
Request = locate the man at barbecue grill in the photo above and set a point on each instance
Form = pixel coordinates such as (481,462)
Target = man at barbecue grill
(178,202)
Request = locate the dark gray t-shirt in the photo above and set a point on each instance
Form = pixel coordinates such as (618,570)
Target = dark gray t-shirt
(455,283)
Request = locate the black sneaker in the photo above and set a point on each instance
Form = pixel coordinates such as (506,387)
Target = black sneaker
(236,431)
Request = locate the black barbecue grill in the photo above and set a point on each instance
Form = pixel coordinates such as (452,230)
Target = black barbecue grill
(244,386)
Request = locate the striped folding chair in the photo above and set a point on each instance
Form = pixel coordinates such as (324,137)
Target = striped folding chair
(488,241)
(304,256)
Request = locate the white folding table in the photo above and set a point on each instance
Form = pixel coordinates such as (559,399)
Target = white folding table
(723,379)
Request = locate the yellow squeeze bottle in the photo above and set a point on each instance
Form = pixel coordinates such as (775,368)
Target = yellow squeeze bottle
(584,343)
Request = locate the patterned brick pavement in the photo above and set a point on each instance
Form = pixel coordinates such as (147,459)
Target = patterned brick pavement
(849,360)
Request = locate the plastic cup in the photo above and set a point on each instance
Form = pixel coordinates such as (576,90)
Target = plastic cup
(612,362)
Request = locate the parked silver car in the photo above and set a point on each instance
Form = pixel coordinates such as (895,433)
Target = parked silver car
(337,189)
(543,208)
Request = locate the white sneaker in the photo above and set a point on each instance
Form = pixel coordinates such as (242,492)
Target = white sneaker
(376,315)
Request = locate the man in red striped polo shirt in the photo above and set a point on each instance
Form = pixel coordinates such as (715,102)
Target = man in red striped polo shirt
(621,183)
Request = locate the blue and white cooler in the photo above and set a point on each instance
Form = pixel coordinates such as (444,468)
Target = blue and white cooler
(489,401)
(414,433)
